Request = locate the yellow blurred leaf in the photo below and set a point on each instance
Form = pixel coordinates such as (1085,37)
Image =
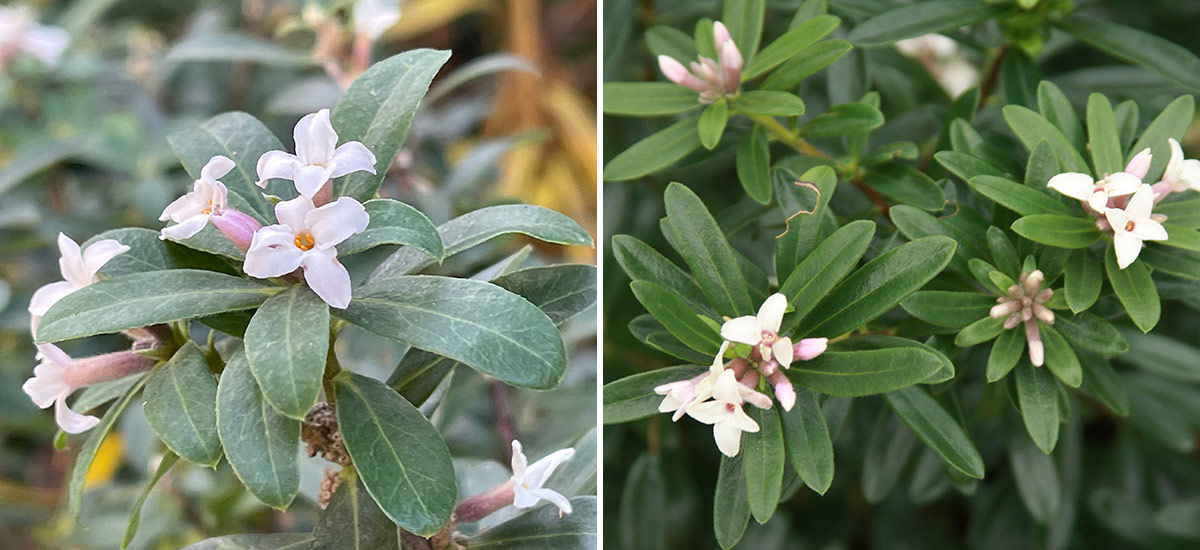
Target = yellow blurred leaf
(108,459)
(421,16)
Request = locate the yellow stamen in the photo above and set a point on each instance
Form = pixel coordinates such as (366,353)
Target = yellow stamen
(1129,225)
(304,241)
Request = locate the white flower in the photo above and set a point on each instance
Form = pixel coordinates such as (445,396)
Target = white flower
(712,79)
(305,238)
(933,44)
(682,393)
(724,412)
(318,158)
(1095,193)
(763,331)
(19,32)
(208,198)
(373,17)
(1181,174)
(528,481)
(1133,225)
(78,270)
(51,385)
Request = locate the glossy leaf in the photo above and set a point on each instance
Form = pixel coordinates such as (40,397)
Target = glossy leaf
(803,212)
(763,459)
(767,103)
(915,20)
(1082,280)
(674,314)
(731,508)
(704,248)
(806,63)
(655,152)
(940,431)
(576,531)
(858,373)
(642,262)
(1059,231)
(393,222)
(1060,358)
(808,443)
(1037,397)
(181,405)
(633,397)
(754,165)
(906,185)
(1135,290)
(1103,139)
(825,267)
(947,308)
(1088,331)
(792,42)
(712,123)
(1037,479)
(1152,52)
(1006,352)
(1018,197)
(1032,128)
(286,344)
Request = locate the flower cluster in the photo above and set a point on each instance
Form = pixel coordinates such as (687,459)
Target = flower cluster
(1025,304)
(20,33)
(716,397)
(309,226)
(712,79)
(1124,204)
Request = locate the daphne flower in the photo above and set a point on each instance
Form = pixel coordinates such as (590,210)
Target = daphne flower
(78,270)
(724,412)
(763,331)
(1095,193)
(1133,225)
(1181,174)
(58,375)
(712,79)
(19,32)
(318,158)
(529,481)
(1025,303)
(1139,165)
(208,198)
(305,239)
(373,17)
(942,57)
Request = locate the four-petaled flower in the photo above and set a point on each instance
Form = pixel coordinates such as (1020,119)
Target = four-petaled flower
(58,375)
(724,412)
(305,238)
(1095,194)
(709,78)
(78,270)
(763,331)
(318,157)
(1132,225)
(208,198)
(529,480)
(1182,174)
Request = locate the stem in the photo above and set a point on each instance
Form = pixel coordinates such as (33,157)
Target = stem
(993,76)
(502,413)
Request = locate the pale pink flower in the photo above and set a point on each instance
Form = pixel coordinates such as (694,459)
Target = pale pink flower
(58,375)
(762,331)
(712,79)
(78,269)
(318,158)
(1134,224)
(1095,194)
(1025,303)
(724,412)
(529,481)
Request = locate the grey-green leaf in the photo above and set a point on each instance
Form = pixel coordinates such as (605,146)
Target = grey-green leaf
(181,404)
(286,345)
(241,138)
(393,222)
(260,443)
(543,529)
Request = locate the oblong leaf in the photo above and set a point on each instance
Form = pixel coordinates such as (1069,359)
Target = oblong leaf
(906,185)
(825,267)
(947,308)
(181,405)
(87,452)
(789,44)
(1031,128)
(674,314)
(808,443)
(763,459)
(807,62)
(286,344)
(1017,197)
(655,152)
(260,443)
(648,98)
(858,373)
(918,19)
(844,119)
(633,397)
(754,165)
(1135,290)
(1037,397)
(1059,231)
(703,246)
(393,222)
(937,429)
(1152,52)
(767,103)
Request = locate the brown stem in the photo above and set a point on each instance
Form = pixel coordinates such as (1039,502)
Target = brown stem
(993,76)
(502,415)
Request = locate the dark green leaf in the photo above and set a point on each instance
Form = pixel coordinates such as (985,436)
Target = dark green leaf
(1037,479)
(655,152)
(712,123)
(857,373)
(1090,332)
(706,252)
(825,267)
(1032,128)
(1152,52)
(260,443)
(648,98)
(906,185)
(808,443)
(674,314)
(745,21)
(1057,231)
(809,61)
(803,221)
(286,344)
(643,503)
(1172,122)
(1018,197)
(792,42)
(754,165)
(642,262)
(243,139)
(937,429)
(633,397)
(844,119)
(1135,290)
(1103,139)
(87,453)
(1006,351)
(181,405)
(918,19)
(763,459)
(543,529)
(1037,396)
(979,332)
(768,103)
(135,516)
(1082,280)
(731,509)
(1060,358)
(947,308)
(352,521)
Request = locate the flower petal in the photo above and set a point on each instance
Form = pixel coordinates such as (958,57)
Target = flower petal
(1121,184)
(726,388)
(327,277)
(553,497)
(294,213)
(1073,184)
(48,295)
(277,165)
(315,138)
(1141,204)
(770,315)
(351,156)
(1149,230)
(46,385)
(216,168)
(71,421)
(518,460)
(540,471)
(708,412)
(728,438)
(310,179)
(742,330)
(181,208)
(335,222)
(71,262)
(185,229)
(782,351)
(272,253)
(718,363)
(1117,218)
(810,348)
(1127,247)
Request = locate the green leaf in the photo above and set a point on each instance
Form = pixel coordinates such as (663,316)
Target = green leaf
(967,166)
(655,152)
(1172,122)
(858,373)
(286,345)
(352,521)
(1037,397)
(1056,107)
(1059,231)
(648,98)
(38,155)
(1182,237)
(1134,289)
(1032,128)
(236,47)
(1017,197)
(87,453)
(400,456)
(1037,479)
(543,529)
(731,507)
(1152,52)
(1184,213)
(168,460)
(642,262)
(643,504)
(888,450)
(806,63)
(792,42)
(671,42)
(1060,358)
(674,314)
(1163,356)
(768,103)
(918,19)
(260,443)
(763,459)
(808,443)
(393,222)
(1042,166)
(1003,252)
(1006,352)
(844,119)
(1090,332)
(479,226)
(882,341)
(937,429)
(707,253)
(241,138)
(906,185)
(803,222)
(744,18)
(147,252)
(1103,139)
(473,322)
(878,286)
(754,165)
(1082,280)
(562,292)
(947,308)
(144,299)
(378,109)
(712,123)
(277,541)
(1102,382)
(1019,77)
(181,404)
(825,267)
(979,332)
(633,397)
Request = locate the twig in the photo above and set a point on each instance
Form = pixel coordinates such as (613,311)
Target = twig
(502,414)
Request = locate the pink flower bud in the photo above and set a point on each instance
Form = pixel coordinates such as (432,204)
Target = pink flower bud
(810,348)
(784,391)
(1037,352)
(721,34)
(677,73)
(1139,165)
(237,226)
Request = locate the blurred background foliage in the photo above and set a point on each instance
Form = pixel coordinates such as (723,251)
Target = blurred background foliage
(83,149)
(1127,484)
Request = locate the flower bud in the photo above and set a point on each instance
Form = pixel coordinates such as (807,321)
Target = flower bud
(237,226)
(1139,165)
(809,348)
